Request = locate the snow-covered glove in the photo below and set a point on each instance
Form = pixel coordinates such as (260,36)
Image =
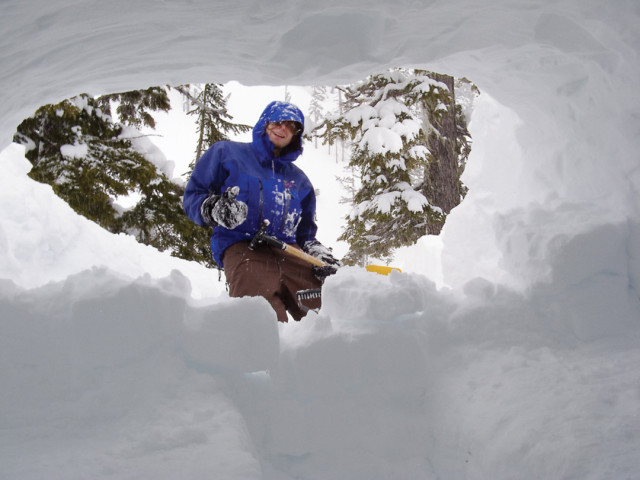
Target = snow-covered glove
(319,251)
(224,210)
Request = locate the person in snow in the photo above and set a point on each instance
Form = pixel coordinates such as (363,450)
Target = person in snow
(235,187)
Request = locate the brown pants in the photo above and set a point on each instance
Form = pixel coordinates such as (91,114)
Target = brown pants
(271,274)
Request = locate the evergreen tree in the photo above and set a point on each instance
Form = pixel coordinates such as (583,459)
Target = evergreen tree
(78,149)
(316,107)
(449,145)
(134,108)
(391,121)
(212,118)
(158,219)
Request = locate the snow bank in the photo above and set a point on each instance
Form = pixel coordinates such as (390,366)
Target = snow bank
(112,378)
(107,371)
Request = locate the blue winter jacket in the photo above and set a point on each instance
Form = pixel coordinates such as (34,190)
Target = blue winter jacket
(272,187)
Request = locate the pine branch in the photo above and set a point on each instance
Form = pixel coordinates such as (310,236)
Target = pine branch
(185,91)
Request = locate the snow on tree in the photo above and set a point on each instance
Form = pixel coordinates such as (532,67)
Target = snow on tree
(92,160)
(393,122)
(134,108)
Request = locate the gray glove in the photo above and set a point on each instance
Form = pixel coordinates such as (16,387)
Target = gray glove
(224,210)
(317,250)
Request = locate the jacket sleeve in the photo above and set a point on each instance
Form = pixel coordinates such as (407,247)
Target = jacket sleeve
(207,178)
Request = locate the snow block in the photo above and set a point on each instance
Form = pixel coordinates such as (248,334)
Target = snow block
(634,257)
(240,335)
(593,280)
(351,394)
(120,327)
(355,297)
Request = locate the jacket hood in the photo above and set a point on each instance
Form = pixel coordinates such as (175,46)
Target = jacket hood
(278,112)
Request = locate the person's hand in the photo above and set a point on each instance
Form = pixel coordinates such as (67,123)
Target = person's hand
(319,251)
(224,210)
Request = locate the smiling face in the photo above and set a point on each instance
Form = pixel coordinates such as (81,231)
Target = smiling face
(281,133)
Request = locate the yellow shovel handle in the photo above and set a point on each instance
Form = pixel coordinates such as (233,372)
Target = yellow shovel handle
(304,256)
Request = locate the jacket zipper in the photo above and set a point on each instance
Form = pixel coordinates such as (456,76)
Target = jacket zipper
(260,204)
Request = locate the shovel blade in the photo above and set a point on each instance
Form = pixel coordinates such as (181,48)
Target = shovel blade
(380,269)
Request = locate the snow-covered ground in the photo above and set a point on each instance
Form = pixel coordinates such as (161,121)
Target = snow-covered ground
(508,348)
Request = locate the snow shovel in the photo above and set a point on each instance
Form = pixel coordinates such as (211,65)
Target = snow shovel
(381,269)
(261,237)
(314,293)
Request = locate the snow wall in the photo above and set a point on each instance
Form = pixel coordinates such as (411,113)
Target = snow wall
(552,216)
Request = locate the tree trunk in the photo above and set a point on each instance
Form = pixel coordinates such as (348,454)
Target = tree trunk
(203,126)
(441,183)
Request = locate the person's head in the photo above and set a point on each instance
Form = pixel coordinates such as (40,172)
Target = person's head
(282,123)
(282,132)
